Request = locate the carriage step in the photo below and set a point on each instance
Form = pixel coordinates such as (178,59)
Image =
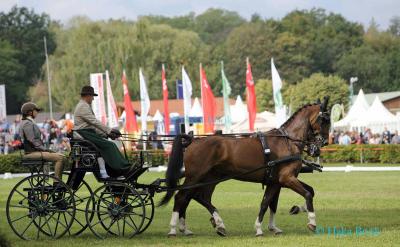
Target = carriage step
(46,188)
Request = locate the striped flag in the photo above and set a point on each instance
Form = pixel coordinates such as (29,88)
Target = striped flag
(144,101)
(165,99)
(98,104)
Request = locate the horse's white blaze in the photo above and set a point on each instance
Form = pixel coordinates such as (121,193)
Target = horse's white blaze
(183,227)
(173,222)
(257,225)
(271,225)
(218,220)
(311,218)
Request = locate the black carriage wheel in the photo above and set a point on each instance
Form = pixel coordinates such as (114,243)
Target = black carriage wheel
(119,211)
(80,224)
(36,208)
(149,206)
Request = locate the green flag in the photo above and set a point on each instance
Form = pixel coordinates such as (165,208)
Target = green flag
(226,91)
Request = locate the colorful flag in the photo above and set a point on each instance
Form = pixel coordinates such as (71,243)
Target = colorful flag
(226,91)
(280,110)
(251,96)
(208,103)
(111,106)
(130,117)
(187,96)
(144,101)
(98,103)
(165,99)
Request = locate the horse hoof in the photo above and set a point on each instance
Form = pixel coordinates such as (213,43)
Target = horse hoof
(311,227)
(259,234)
(188,233)
(213,222)
(221,231)
(276,231)
(294,210)
(172,235)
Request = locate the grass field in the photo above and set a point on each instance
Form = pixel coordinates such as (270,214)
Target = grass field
(358,199)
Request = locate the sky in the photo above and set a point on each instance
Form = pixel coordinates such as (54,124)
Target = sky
(361,11)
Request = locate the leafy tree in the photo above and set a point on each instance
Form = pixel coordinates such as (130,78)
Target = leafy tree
(394,27)
(264,95)
(314,87)
(24,30)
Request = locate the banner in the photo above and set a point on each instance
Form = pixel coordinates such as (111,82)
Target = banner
(226,91)
(208,103)
(165,100)
(130,117)
(280,109)
(187,97)
(251,96)
(112,114)
(144,101)
(179,89)
(3,108)
(98,103)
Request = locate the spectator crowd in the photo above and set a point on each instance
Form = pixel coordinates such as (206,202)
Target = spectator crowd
(54,134)
(366,137)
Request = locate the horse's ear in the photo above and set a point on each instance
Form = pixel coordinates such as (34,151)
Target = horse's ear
(325,104)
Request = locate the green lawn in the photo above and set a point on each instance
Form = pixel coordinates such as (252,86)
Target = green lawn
(350,200)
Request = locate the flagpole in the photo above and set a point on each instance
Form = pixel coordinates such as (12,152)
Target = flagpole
(48,77)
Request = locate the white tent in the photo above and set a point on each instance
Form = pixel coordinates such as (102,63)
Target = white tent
(378,117)
(158,116)
(238,111)
(356,112)
(264,122)
(196,110)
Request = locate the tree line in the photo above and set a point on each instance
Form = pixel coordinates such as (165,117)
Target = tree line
(314,51)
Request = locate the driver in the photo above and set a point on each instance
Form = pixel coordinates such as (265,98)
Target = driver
(89,128)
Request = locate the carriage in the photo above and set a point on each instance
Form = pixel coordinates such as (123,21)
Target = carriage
(42,206)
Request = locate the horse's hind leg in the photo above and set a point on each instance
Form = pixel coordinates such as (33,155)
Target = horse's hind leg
(183,228)
(203,196)
(307,192)
(269,195)
(273,207)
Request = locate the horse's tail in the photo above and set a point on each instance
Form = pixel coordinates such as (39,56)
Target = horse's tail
(175,164)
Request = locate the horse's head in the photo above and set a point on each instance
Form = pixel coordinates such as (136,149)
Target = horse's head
(319,128)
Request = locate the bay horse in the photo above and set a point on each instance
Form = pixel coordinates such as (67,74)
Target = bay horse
(208,160)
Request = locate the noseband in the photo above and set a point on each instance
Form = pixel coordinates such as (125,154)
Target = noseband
(315,140)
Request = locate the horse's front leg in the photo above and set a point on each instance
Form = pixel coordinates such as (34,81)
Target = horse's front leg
(297,209)
(269,195)
(307,192)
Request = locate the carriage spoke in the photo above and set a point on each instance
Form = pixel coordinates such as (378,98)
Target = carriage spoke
(22,234)
(19,218)
(133,222)
(65,219)
(38,228)
(48,226)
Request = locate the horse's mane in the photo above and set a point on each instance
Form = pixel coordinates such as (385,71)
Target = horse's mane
(285,124)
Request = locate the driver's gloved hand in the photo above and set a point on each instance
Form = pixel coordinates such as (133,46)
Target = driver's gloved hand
(116,132)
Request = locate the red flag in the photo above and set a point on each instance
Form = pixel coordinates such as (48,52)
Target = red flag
(130,118)
(165,98)
(208,103)
(251,97)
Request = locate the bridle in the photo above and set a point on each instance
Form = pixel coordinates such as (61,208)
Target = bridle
(315,141)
